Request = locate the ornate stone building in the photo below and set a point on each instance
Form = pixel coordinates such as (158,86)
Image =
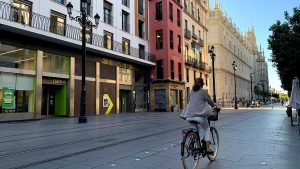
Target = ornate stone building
(232,45)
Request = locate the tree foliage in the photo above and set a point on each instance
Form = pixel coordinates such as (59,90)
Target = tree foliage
(284,42)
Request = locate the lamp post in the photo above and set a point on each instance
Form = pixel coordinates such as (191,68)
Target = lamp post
(84,22)
(251,77)
(263,86)
(213,55)
(234,66)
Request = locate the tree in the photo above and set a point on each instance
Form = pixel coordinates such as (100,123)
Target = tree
(284,42)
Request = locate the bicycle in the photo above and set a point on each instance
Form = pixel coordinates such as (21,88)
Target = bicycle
(193,148)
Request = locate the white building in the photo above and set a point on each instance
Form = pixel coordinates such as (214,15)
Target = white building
(41,47)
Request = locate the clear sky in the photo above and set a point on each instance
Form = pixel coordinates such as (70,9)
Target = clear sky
(260,14)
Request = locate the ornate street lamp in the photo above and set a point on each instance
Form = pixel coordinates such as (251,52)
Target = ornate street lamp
(234,66)
(84,22)
(213,55)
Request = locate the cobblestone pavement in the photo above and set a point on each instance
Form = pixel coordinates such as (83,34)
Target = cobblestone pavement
(259,138)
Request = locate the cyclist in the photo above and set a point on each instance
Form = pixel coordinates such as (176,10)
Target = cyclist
(198,109)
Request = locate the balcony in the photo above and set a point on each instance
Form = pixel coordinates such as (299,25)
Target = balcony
(191,61)
(202,65)
(201,42)
(195,36)
(187,34)
(40,22)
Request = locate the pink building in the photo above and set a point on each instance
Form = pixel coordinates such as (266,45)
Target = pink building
(165,42)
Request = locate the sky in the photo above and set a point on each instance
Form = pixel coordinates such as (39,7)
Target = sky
(260,14)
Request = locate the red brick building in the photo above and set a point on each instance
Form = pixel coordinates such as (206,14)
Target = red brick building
(165,42)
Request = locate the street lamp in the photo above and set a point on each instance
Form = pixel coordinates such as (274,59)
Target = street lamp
(84,22)
(263,86)
(234,66)
(251,77)
(213,55)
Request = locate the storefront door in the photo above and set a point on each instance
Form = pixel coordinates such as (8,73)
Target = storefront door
(125,100)
(54,100)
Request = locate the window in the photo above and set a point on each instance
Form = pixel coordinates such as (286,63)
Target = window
(187,75)
(160,69)
(60,1)
(192,8)
(187,92)
(126,46)
(171,40)
(108,40)
(141,51)
(159,11)
(201,75)
(185,24)
(141,7)
(16,57)
(125,2)
(18,90)
(125,21)
(21,11)
(89,7)
(195,75)
(185,5)
(198,15)
(178,17)
(172,69)
(179,43)
(57,23)
(179,72)
(159,39)
(206,81)
(141,29)
(186,51)
(171,11)
(107,13)
(55,63)
(193,29)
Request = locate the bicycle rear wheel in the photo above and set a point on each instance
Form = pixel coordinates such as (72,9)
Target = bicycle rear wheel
(214,144)
(190,154)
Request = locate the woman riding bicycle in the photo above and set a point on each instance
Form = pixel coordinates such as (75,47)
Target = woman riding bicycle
(198,109)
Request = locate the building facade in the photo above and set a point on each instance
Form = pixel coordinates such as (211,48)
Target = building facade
(165,43)
(40,59)
(195,42)
(232,45)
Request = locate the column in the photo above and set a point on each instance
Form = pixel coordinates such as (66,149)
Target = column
(71,87)
(38,85)
(97,88)
(117,91)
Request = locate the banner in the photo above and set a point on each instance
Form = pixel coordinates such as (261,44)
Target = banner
(8,98)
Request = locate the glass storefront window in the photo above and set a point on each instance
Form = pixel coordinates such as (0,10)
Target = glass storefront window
(23,94)
(16,57)
(55,63)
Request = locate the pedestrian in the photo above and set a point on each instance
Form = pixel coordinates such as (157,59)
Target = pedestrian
(198,109)
(220,103)
(282,102)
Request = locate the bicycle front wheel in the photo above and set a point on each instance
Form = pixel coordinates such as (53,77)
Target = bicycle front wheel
(214,144)
(190,154)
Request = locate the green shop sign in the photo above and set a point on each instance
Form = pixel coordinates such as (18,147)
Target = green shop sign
(8,98)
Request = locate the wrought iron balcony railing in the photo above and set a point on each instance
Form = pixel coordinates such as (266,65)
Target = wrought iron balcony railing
(195,36)
(202,65)
(41,22)
(201,42)
(191,61)
(187,34)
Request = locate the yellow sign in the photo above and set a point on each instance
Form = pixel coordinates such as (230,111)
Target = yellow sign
(107,103)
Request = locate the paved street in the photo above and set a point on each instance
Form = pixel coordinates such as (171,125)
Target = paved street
(250,138)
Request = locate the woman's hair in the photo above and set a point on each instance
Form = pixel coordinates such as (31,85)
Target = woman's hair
(198,84)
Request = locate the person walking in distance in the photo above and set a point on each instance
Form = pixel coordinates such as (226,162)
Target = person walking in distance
(198,109)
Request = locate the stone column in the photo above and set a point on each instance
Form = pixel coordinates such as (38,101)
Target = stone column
(39,85)
(71,87)
(97,88)
(117,91)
